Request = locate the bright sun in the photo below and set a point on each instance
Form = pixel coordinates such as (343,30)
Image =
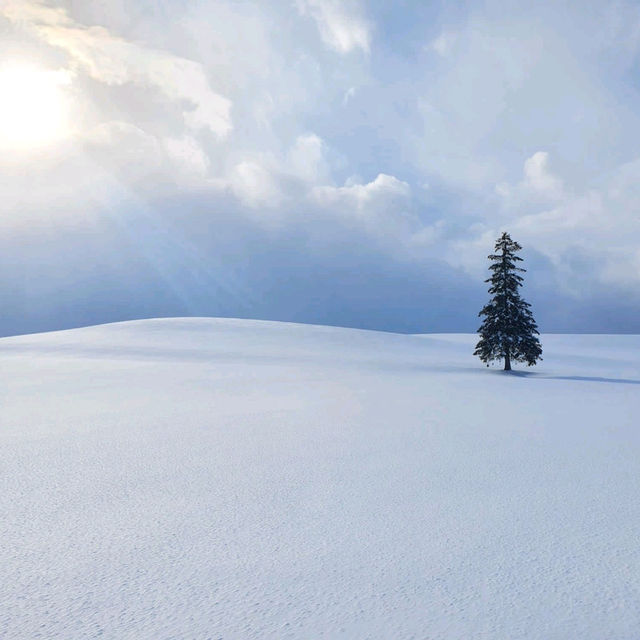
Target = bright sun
(34,108)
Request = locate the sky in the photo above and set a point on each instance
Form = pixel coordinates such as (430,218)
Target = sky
(347,163)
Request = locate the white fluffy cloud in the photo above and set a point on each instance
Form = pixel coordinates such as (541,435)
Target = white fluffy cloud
(307,159)
(382,209)
(539,186)
(341,24)
(602,221)
(538,177)
(268,180)
(255,185)
(597,225)
(358,196)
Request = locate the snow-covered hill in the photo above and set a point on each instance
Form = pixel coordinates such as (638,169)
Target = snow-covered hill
(200,478)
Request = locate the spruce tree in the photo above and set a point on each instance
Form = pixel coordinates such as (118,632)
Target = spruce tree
(508,331)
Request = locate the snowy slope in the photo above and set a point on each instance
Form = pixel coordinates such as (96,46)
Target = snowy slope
(200,478)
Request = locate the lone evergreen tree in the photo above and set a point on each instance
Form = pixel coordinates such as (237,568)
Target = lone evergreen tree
(508,330)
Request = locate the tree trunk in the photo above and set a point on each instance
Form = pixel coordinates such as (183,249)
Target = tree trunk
(507,361)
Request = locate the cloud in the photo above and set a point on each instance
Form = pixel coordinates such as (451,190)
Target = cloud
(602,222)
(136,156)
(539,186)
(188,155)
(124,147)
(382,209)
(375,197)
(588,237)
(538,177)
(507,85)
(269,180)
(115,61)
(307,159)
(255,185)
(341,26)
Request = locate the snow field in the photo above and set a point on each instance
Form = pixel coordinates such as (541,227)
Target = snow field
(210,478)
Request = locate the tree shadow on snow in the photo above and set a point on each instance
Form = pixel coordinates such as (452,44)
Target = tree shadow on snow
(542,376)
(595,379)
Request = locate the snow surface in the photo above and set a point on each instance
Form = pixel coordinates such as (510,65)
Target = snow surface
(203,478)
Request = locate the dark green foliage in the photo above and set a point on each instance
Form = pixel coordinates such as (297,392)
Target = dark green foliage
(508,331)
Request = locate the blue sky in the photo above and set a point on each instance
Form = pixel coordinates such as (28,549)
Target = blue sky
(347,163)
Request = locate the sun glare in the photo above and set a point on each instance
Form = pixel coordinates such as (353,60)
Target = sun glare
(33,107)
